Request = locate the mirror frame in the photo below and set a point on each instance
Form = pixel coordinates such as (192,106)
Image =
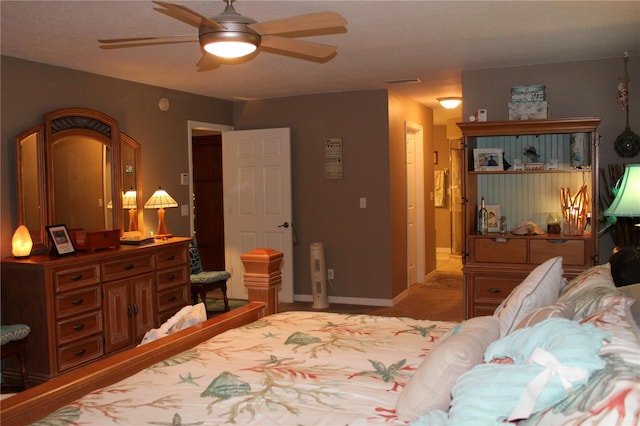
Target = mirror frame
(125,139)
(38,236)
(62,123)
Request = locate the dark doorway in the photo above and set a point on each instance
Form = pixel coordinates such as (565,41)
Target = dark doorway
(208,203)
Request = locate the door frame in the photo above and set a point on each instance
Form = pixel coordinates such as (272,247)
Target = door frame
(191,126)
(418,131)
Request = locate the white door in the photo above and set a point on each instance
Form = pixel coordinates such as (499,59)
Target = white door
(413,134)
(256,166)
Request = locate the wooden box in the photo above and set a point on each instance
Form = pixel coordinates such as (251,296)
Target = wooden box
(95,240)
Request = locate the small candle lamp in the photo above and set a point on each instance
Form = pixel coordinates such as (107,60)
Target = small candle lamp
(21,243)
(575,210)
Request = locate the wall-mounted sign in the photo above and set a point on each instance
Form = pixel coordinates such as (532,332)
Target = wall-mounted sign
(333,158)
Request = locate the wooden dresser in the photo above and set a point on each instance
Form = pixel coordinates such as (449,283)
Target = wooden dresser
(87,306)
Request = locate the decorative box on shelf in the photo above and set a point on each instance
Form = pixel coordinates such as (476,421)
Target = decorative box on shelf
(528,110)
(531,93)
(95,240)
(534,166)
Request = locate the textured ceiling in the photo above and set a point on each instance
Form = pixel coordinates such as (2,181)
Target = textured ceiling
(384,40)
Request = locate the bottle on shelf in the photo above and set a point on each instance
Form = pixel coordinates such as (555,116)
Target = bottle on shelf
(483,219)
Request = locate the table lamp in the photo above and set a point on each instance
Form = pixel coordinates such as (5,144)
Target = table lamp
(161,200)
(627,194)
(21,243)
(130,202)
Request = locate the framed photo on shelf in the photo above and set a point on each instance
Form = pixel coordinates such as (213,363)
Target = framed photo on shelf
(62,243)
(487,160)
(493,215)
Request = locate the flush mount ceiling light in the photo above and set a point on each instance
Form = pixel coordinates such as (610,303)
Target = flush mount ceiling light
(450,102)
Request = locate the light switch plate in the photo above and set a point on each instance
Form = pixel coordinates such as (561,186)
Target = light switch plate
(184,178)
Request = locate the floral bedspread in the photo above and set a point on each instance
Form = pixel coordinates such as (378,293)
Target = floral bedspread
(292,368)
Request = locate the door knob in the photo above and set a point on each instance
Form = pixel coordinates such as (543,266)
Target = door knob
(284,225)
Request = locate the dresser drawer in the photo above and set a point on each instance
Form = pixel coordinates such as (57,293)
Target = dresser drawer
(78,327)
(129,266)
(171,277)
(500,250)
(71,277)
(493,289)
(80,352)
(75,302)
(572,251)
(172,256)
(173,298)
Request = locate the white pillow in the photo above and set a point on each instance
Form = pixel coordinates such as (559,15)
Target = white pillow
(633,292)
(455,353)
(196,315)
(557,310)
(540,288)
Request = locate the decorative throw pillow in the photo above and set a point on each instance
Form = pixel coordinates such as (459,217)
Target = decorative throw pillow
(456,352)
(546,357)
(196,315)
(633,292)
(557,310)
(540,288)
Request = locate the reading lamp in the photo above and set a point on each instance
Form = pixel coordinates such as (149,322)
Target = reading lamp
(161,200)
(627,195)
(21,243)
(130,202)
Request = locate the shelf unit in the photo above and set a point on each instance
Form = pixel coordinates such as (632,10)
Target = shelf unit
(494,264)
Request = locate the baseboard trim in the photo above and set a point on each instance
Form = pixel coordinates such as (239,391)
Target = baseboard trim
(340,300)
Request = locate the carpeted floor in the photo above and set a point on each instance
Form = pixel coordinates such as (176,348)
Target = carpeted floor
(439,299)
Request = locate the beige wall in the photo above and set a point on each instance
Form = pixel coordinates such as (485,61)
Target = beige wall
(402,110)
(580,89)
(358,243)
(30,90)
(442,214)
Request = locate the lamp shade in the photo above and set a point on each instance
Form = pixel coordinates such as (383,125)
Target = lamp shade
(230,49)
(130,200)
(159,200)
(21,242)
(627,198)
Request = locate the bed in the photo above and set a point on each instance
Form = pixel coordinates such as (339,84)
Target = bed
(255,366)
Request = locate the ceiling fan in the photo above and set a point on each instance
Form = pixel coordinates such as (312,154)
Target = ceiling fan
(230,35)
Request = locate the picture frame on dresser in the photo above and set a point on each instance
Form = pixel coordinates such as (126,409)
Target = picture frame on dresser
(493,215)
(487,160)
(62,243)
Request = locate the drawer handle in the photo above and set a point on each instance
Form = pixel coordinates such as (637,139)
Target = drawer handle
(500,240)
(494,290)
(171,257)
(76,277)
(172,299)
(80,352)
(78,327)
(171,277)
(78,302)
(129,267)
(557,241)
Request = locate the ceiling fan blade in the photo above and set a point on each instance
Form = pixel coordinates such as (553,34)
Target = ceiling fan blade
(185,14)
(207,63)
(132,39)
(313,21)
(143,43)
(300,47)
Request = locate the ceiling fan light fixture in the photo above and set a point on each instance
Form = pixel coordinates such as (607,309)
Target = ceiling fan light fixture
(450,102)
(230,49)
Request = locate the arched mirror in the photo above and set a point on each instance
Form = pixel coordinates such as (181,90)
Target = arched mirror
(73,171)
(83,171)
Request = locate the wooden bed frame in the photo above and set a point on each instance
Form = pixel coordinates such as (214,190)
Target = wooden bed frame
(262,279)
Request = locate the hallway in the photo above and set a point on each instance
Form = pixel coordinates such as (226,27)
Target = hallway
(447,263)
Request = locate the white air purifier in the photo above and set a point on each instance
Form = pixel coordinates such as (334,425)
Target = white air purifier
(318,276)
